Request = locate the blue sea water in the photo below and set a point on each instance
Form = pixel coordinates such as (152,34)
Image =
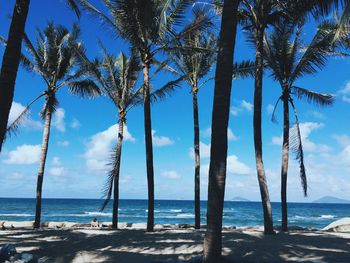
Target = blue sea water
(308,215)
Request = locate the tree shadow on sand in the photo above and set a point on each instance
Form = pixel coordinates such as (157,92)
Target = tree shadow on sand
(129,246)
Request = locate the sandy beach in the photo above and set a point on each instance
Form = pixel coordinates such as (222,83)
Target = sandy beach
(173,244)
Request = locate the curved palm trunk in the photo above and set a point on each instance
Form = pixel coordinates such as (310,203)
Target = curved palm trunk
(197,201)
(10,63)
(149,147)
(220,116)
(116,173)
(284,167)
(44,148)
(268,224)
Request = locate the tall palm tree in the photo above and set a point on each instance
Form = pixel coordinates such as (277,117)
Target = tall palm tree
(149,26)
(220,116)
(256,15)
(289,60)
(54,59)
(11,60)
(117,77)
(194,57)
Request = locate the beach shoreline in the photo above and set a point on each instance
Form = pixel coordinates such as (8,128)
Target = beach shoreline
(172,243)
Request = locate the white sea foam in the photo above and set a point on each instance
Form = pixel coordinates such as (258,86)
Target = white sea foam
(185,215)
(176,210)
(18,215)
(327,216)
(98,214)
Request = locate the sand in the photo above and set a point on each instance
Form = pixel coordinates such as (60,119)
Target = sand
(171,244)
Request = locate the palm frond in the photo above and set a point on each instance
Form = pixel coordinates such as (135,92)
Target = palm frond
(315,56)
(244,69)
(273,116)
(167,89)
(13,127)
(74,6)
(313,97)
(297,148)
(84,88)
(105,20)
(112,174)
(50,105)
(163,66)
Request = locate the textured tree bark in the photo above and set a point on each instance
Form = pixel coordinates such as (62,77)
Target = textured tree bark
(149,147)
(10,63)
(220,117)
(117,172)
(197,201)
(265,198)
(284,167)
(41,170)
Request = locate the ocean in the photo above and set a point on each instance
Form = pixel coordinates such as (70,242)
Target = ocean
(309,215)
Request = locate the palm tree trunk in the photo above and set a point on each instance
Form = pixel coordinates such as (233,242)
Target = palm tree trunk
(44,148)
(10,63)
(197,201)
(284,168)
(268,224)
(149,147)
(117,172)
(220,117)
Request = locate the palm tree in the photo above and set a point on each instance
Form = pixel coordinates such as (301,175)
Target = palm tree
(256,15)
(11,60)
(117,77)
(289,60)
(193,59)
(54,60)
(149,26)
(220,116)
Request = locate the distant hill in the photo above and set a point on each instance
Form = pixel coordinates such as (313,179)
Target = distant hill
(331,200)
(240,199)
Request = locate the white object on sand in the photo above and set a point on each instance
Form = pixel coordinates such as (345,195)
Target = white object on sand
(341,225)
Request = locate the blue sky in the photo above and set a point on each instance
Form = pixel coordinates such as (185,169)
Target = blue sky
(84,132)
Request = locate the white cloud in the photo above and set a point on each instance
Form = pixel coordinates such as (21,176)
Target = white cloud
(75,124)
(171,175)
(234,166)
(204,150)
(345,156)
(57,171)
(316,115)
(230,135)
(243,106)
(234,110)
(343,139)
(58,120)
(246,105)
(159,141)
(346,99)
(306,129)
(24,154)
(345,91)
(16,110)
(100,145)
(269,108)
(277,140)
(56,161)
(63,143)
